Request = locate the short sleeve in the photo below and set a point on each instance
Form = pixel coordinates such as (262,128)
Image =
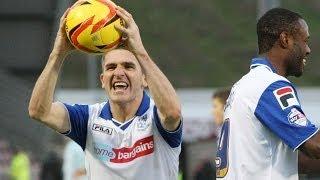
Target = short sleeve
(173,138)
(279,109)
(78,116)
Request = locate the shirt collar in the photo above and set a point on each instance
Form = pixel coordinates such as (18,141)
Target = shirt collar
(262,61)
(144,106)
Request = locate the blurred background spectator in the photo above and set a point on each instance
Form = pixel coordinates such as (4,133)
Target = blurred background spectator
(73,162)
(20,164)
(51,167)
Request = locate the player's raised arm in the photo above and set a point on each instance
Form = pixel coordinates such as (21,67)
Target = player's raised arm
(161,89)
(41,106)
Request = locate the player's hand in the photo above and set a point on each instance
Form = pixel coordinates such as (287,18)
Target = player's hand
(62,45)
(130,32)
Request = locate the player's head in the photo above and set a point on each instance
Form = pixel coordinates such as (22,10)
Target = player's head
(219,99)
(287,32)
(122,76)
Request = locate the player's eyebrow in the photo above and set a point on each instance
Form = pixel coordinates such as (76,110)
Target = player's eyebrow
(131,64)
(110,65)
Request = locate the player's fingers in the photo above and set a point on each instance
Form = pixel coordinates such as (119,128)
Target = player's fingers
(123,17)
(123,11)
(121,28)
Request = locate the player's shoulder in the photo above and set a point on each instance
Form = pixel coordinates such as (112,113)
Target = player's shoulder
(262,73)
(265,76)
(260,78)
(274,86)
(256,81)
(271,80)
(98,107)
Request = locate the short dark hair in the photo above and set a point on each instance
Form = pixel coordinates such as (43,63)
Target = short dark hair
(272,24)
(222,94)
(121,46)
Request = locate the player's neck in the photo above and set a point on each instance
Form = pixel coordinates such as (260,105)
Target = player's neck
(276,60)
(125,111)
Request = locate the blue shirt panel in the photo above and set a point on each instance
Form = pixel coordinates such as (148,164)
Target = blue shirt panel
(173,138)
(79,115)
(280,119)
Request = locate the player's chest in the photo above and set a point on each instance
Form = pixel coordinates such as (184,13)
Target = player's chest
(118,134)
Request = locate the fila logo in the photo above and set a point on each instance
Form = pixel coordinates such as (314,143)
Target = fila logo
(104,129)
(286,97)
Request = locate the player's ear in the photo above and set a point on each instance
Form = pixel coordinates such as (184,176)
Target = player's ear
(101,80)
(285,39)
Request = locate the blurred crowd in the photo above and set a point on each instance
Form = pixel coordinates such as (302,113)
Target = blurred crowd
(16,164)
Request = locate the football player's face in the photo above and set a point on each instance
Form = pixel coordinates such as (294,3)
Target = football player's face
(122,77)
(217,110)
(298,53)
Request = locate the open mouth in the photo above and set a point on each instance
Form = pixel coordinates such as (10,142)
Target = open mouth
(120,85)
(304,61)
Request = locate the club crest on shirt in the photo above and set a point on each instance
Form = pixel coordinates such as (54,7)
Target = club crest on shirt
(286,97)
(143,123)
(297,118)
